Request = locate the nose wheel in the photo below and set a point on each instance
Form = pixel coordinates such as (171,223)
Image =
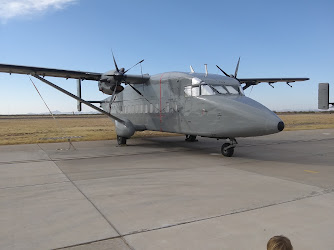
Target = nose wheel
(228,148)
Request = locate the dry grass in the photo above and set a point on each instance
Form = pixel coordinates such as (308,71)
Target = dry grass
(41,129)
(302,121)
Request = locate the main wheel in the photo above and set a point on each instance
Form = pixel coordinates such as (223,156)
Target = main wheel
(228,152)
(121,140)
(191,138)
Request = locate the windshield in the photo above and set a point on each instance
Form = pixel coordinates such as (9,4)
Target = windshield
(224,90)
(206,89)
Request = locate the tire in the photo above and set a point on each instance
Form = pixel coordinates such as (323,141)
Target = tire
(121,140)
(227,152)
(191,138)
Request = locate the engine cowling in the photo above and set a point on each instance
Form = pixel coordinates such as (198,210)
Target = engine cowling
(110,80)
(108,88)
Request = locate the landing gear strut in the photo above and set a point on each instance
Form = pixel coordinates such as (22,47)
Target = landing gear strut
(190,138)
(228,147)
(121,140)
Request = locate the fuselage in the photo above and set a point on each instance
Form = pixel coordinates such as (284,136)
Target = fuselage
(194,104)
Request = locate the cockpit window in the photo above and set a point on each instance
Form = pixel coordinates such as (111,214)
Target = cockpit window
(195,91)
(221,89)
(207,89)
(232,90)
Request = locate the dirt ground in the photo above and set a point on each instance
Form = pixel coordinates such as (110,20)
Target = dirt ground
(39,129)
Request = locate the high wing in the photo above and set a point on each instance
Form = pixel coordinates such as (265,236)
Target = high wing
(28,70)
(255,81)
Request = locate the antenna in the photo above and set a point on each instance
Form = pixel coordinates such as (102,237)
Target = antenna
(192,69)
(206,69)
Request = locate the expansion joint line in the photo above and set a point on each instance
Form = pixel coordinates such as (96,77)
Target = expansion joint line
(323,192)
(238,211)
(99,211)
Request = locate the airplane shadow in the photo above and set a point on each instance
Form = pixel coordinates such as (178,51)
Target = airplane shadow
(312,152)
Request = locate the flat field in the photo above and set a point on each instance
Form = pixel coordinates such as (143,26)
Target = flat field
(39,129)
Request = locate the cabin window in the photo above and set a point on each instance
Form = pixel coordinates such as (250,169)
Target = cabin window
(191,91)
(146,108)
(167,107)
(151,108)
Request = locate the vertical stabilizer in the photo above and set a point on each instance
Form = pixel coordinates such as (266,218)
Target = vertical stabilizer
(323,96)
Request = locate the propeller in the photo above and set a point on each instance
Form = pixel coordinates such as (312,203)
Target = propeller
(223,71)
(134,66)
(113,81)
(119,74)
(235,73)
(114,61)
(237,68)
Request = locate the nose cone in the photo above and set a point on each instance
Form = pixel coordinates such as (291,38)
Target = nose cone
(247,118)
(280,126)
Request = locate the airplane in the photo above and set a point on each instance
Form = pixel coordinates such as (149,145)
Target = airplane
(193,104)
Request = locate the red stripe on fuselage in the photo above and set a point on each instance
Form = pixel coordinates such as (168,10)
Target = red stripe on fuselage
(160,105)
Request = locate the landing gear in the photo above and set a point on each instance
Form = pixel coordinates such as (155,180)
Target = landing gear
(228,148)
(121,140)
(190,138)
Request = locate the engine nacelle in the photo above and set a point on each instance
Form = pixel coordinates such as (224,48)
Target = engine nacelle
(108,88)
(110,80)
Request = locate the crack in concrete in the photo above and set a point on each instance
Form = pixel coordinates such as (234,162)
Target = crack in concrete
(97,209)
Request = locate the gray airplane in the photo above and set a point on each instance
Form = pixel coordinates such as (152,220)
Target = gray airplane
(194,104)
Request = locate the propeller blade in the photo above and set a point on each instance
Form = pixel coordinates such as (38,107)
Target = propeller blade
(236,69)
(135,89)
(134,66)
(223,71)
(114,61)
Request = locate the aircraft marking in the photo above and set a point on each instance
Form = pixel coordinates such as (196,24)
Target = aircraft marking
(311,171)
(160,104)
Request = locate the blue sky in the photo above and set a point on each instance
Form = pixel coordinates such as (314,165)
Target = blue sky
(273,39)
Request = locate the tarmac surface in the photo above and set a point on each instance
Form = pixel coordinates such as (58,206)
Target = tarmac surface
(165,193)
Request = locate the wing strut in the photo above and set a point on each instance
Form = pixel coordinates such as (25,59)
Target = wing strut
(78,98)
